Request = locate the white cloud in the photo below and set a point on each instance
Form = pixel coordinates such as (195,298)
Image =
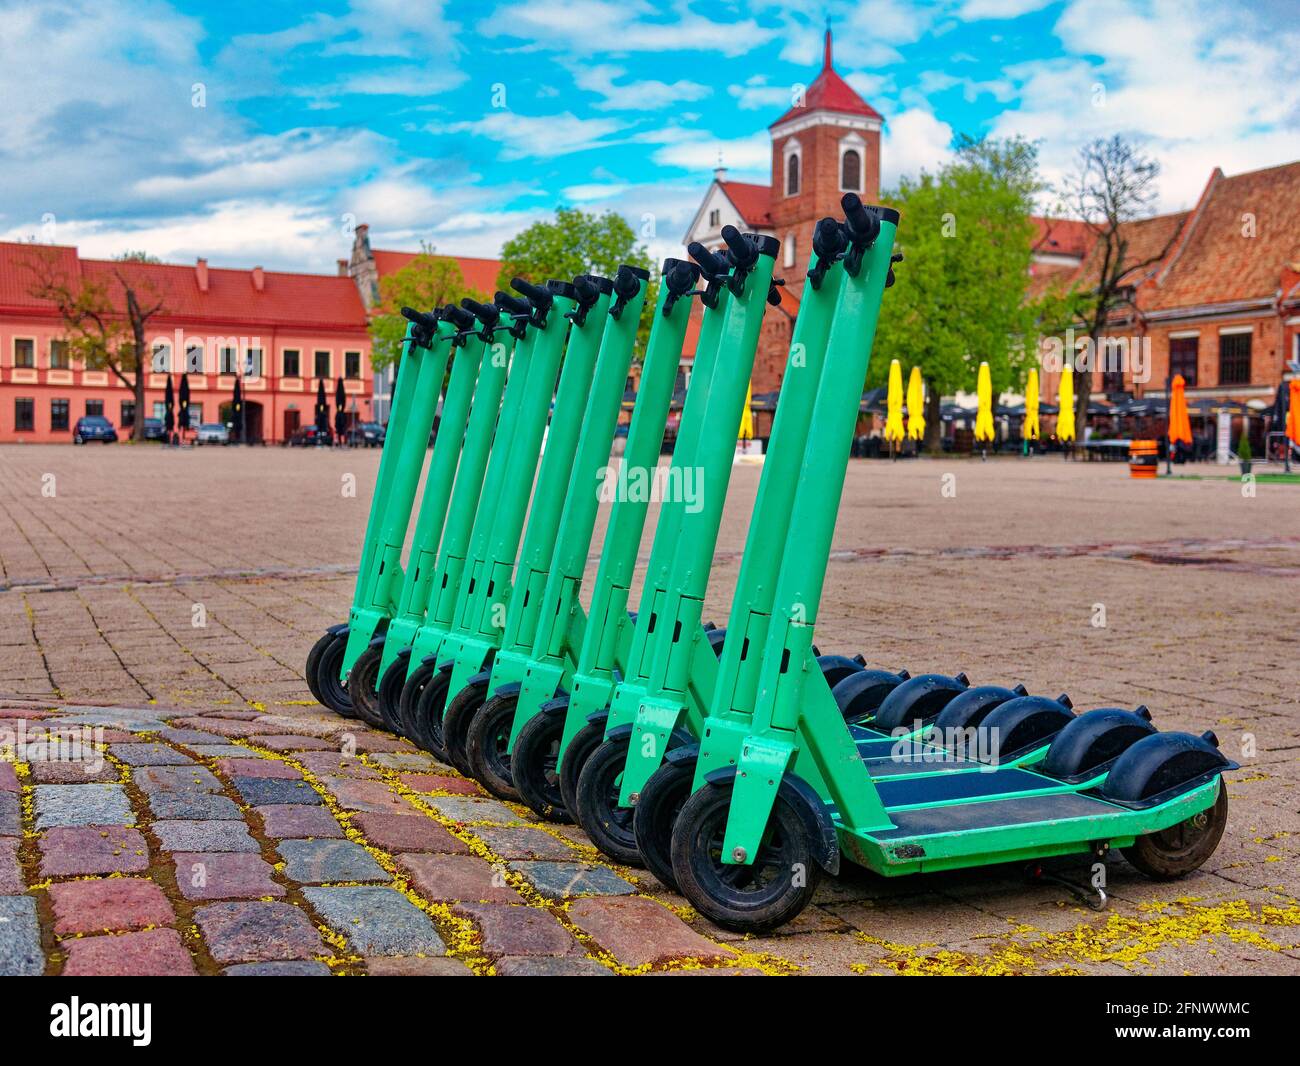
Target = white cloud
(594,192)
(756,94)
(535,136)
(999,9)
(700,151)
(914,140)
(644,95)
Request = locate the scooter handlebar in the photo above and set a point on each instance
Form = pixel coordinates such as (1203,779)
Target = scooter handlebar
(712,265)
(458,316)
(426,320)
(743,252)
(863,225)
(485,313)
(535,294)
(513,305)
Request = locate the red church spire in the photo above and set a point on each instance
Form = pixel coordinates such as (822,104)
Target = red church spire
(826,60)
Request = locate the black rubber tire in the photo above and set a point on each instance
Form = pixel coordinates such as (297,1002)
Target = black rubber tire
(389,693)
(734,897)
(656,813)
(313,664)
(485,745)
(456,720)
(533,767)
(334,693)
(428,715)
(584,742)
(1177,851)
(362,686)
(607,824)
(407,705)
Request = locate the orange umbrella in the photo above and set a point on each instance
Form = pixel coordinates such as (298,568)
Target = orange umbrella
(1180,424)
(1293,412)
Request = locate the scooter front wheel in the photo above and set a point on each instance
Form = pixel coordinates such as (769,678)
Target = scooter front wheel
(575,756)
(656,813)
(747,898)
(413,687)
(607,824)
(334,691)
(533,767)
(362,686)
(427,721)
(313,664)
(486,744)
(390,692)
(456,720)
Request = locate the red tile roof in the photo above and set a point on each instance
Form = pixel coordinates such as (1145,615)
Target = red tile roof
(285,299)
(830,92)
(480,274)
(754,202)
(1061,236)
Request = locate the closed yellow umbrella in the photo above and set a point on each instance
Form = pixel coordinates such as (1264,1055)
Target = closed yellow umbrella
(894,409)
(1065,420)
(747,416)
(984,415)
(915,405)
(1180,423)
(1031,406)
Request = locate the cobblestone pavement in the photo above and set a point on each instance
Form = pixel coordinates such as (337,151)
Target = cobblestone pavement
(172,800)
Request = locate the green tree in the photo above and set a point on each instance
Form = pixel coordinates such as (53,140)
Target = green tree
(426,282)
(576,242)
(962,294)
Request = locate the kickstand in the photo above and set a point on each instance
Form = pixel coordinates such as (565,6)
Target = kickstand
(1095,898)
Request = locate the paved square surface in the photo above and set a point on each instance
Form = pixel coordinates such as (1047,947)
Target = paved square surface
(156,610)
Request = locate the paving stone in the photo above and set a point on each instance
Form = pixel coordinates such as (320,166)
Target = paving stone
(205,835)
(194,806)
(227,727)
(72,805)
(80,850)
(11,820)
(219,751)
(524,842)
(562,880)
(407,761)
(74,773)
(439,783)
(189,737)
(8,778)
(416,966)
(152,779)
(11,874)
(155,953)
(297,968)
(285,820)
(224,875)
(262,791)
(315,862)
(20,938)
(544,966)
(464,809)
(112,904)
(378,742)
(332,764)
(258,768)
(443,878)
(354,795)
(148,755)
(376,920)
(114,719)
(257,932)
(639,931)
(407,832)
(292,743)
(514,930)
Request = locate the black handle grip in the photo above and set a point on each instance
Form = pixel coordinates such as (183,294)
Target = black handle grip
(426,320)
(828,239)
(680,276)
(743,253)
(562,288)
(863,225)
(603,284)
(458,316)
(485,313)
(627,282)
(587,290)
(536,295)
(513,305)
(712,265)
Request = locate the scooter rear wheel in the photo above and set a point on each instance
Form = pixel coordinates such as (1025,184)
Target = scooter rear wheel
(313,664)
(1182,848)
(656,813)
(362,686)
(334,692)
(753,898)
(456,720)
(607,824)
(486,743)
(584,742)
(533,767)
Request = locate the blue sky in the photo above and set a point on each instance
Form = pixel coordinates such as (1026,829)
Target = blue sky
(460,124)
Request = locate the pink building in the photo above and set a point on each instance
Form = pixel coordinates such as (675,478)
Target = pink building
(284,332)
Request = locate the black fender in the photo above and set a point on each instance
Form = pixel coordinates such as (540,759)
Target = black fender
(378,641)
(716,638)
(918,699)
(404,655)
(804,799)
(597,717)
(619,732)
(1094,740)
(510,688)
(971,707)
(555,708)
(861,693)
(685,753)
(1161,766)
(835,668)
(1024,723)
(446,666)
(339,630)
(479,680)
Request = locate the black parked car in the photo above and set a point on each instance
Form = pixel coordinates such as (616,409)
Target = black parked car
(153,429)
(308,435)
(366,435)
(93,427)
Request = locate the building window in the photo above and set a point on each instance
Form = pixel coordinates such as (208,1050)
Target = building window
(792,174)
(715,218)
(291,367)
(1182,358)
(194,357)
(228,362)
(162,357)
(253,363)
(352,364)
(128,414)
(322,364)
(851,171)
(59,358)
(58,414)
(1234,358)
(160,409)
(196,415)
(24,413)
(95,408)
(24,353)
(789,250)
